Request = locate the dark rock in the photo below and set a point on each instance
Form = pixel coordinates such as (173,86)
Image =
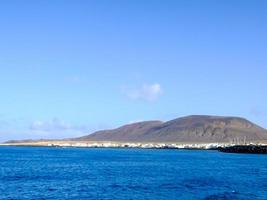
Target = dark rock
(254,149)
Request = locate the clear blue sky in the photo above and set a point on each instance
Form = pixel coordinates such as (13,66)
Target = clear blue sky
(72,67)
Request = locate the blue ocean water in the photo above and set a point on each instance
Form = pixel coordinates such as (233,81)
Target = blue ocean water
(80,173)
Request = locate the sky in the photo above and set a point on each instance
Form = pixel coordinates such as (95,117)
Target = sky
(69,68)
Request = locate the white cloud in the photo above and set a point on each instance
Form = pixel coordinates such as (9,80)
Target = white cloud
(55,125)
(146,92)
(19,129)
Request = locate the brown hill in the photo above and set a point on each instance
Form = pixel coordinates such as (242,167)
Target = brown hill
(190,129)
(130,132)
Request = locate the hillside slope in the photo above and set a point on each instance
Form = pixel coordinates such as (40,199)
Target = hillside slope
(191,129)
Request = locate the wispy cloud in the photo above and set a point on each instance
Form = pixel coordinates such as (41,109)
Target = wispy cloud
(55,125)
(148,92)
(45,129)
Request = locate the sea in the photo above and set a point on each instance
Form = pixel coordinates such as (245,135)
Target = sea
(107,173)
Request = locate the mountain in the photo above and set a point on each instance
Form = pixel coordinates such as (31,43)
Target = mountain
(190,129)
(130,132)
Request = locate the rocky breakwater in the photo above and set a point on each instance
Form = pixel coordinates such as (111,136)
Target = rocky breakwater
(253,149)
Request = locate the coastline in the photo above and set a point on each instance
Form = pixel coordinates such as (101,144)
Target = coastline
(141,145)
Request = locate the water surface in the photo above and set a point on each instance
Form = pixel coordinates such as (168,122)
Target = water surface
(81,173)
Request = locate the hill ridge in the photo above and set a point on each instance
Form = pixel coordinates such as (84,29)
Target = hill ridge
(192,128)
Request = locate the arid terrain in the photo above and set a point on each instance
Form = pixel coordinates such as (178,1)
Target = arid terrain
(196,131)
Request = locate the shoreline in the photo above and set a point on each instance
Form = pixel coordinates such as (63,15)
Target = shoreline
(140,145)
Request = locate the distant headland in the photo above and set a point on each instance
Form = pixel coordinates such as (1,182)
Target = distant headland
(195,131)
